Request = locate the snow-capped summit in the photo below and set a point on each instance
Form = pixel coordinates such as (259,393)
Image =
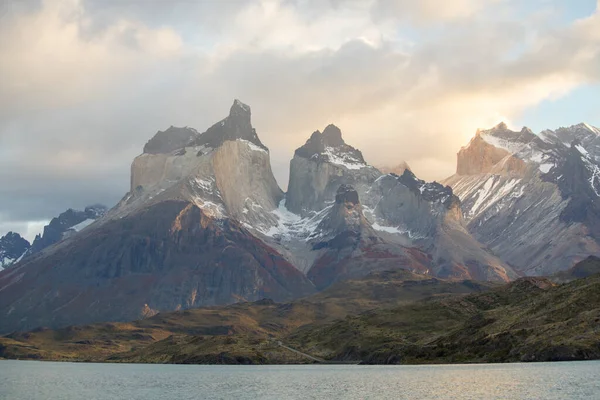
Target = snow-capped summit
(329,147)
(320,166)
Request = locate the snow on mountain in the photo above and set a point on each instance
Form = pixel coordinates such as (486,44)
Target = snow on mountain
(180,238)
(401,210)
(533,199)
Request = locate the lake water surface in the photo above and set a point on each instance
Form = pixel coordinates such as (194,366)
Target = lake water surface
(33,380)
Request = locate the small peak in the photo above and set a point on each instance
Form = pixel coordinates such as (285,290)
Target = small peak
(332,136)
(526,130)
(239,109)
(588,127)
(346,194)
(501,126)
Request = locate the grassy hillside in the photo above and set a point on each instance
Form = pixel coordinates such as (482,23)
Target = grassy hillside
(250,324)
(391,317)
(528,320)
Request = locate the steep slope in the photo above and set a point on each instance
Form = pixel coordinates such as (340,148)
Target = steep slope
(406,213)
(12,249)
(533,199)
(179,239)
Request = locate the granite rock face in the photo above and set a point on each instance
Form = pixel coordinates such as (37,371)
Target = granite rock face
(537,207)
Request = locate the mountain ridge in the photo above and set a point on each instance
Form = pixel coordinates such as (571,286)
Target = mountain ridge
(533,199)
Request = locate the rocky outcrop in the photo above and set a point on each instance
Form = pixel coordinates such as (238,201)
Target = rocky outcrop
(481,157)
(537,208)
(12,249)
(170,140)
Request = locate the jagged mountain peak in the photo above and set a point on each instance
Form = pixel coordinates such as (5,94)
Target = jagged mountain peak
(239,109)
(332,136)
(540,186)
(429,191)
(65,225)
(584,126)
(237,125)
(330,147)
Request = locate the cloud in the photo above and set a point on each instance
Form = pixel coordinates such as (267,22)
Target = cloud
(86,88)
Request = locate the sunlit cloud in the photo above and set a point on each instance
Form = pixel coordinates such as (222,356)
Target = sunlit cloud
(86,83)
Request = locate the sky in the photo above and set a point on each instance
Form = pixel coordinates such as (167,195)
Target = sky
(85,83)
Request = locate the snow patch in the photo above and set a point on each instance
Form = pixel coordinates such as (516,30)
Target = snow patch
(582,150)
(290,225)
(397,230)
(545,168)
(82,225)
(253,146)
(344,159)
(500,143)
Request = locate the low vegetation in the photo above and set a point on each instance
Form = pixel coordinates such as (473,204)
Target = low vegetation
(385,318)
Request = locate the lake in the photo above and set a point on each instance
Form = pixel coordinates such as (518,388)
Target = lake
(33,380)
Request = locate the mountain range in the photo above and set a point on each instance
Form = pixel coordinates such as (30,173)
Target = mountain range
(205,223)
